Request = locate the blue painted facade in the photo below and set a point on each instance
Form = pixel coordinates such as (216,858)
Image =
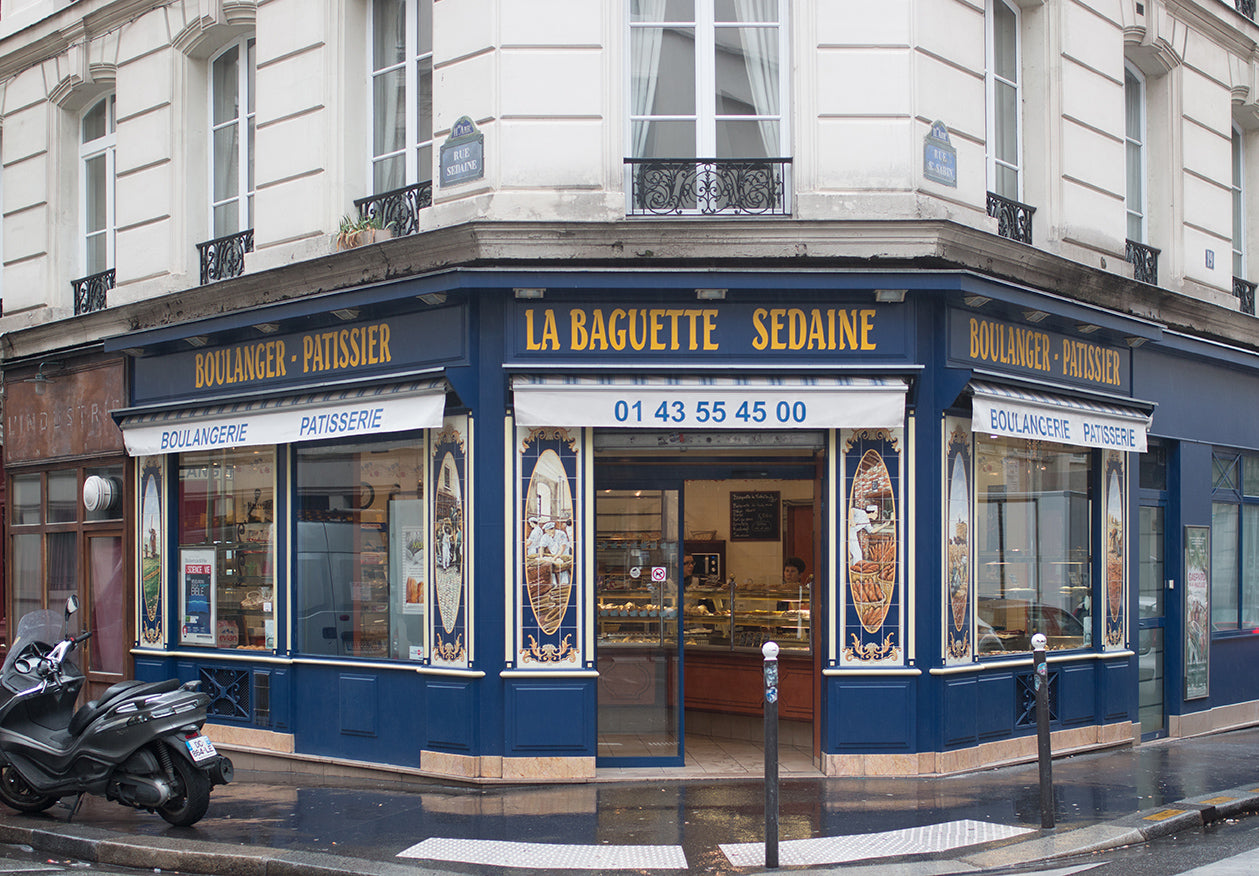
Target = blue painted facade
(479,334)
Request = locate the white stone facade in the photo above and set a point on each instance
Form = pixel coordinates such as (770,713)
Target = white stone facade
(546,83)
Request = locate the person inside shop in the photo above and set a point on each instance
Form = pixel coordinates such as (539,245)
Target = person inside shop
(793,576)
(691,580)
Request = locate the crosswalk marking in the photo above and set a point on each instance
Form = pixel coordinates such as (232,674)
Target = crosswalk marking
(547,856)
(893,843)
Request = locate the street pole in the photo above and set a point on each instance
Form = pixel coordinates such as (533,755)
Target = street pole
(770,650)
(1044,755)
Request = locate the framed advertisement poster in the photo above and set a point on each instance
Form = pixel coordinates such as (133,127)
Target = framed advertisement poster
(1197,609)
(196,597)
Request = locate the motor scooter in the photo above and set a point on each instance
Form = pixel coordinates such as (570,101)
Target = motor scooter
(138,743)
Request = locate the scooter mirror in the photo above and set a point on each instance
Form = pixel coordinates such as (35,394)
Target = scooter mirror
(72,604)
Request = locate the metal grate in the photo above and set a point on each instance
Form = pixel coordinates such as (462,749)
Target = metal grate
(1025,698)
(1245,292)
(229,692)
(262,699)
(1144,261)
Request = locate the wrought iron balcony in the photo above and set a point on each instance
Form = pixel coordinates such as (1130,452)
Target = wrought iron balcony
(224,257)
(89,292)
(708,186)
(1245,292)
(398,210)
(1246,8)
(1144,261)
(1014,220)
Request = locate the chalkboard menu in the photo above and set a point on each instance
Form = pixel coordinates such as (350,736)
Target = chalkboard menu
(754,515)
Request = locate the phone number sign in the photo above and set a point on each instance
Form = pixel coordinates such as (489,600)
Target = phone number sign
(706,408)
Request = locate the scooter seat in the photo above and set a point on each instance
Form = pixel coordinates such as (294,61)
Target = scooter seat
(92,709)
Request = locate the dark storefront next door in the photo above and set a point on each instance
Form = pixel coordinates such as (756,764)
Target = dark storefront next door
(639,654)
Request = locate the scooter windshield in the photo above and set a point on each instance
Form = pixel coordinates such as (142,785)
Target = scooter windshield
(37,626)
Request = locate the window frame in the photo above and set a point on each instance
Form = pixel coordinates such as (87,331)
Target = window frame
(1242,499)
(102,147)
(246,87)
(1133,74)
(1238,191)
(413,60)
(706,117)
(991,80)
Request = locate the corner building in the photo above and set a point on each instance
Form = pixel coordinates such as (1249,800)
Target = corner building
(456,395)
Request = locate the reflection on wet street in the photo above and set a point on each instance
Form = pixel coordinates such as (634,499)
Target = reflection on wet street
(698,816)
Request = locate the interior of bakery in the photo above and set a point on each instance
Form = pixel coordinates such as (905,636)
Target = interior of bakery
(733,543)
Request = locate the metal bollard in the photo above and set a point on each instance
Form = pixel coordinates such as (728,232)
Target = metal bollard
(770,650)
(1044,755)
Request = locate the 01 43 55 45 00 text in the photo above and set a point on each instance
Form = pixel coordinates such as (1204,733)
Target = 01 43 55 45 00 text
(711,412)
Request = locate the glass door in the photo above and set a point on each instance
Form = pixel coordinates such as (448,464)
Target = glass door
(639,647)
(1150,633)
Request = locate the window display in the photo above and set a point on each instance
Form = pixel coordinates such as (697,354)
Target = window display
(362,542)
(227,548)
(1033,537)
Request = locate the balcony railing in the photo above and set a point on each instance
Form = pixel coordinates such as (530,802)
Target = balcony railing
(1144,261)
(89,292)
(1246,8)
(398,210)
(1245,292)
(224,257)
(1014,220)
(708,186)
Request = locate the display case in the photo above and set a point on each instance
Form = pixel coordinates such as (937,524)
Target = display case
(245,616)
(735,616)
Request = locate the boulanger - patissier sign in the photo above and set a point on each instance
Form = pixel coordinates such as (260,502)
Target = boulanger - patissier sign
(288,421)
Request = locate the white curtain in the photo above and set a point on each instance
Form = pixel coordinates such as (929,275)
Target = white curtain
(644,72)
(760,59)
(388,95)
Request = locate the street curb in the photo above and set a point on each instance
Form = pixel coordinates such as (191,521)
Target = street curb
(100,846)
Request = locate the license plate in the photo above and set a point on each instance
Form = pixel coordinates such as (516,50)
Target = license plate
(201,748)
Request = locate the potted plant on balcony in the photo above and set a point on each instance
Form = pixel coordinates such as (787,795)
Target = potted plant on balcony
(362,230)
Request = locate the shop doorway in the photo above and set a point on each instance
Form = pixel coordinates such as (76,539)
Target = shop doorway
(701,557)
(1151,586)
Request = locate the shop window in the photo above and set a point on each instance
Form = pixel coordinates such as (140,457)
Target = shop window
(1235,542)
(227,548)
(362,542)
(401,98)
(58,548)
(1034,541)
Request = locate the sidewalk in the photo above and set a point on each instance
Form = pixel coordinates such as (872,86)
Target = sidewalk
(267,825)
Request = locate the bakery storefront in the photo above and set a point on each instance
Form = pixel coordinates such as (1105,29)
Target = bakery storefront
(705,464)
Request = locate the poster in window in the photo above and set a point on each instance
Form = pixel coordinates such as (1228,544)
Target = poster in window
(408,552)
(1197,592)
(1114,517)
(958,576)
(196,597)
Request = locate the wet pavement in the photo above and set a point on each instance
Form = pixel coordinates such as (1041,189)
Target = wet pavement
(275,823)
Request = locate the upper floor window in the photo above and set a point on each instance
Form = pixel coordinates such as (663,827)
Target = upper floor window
(1134,139)
(1239,211)
(401,93)
(96,150)
(706,79)
(232,138)
(1004,98)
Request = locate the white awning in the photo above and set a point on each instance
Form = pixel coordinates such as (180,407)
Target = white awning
(341,413)
(1025,413)
(709,402)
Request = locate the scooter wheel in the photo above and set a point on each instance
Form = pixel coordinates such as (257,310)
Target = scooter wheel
(191,799)
(18,795)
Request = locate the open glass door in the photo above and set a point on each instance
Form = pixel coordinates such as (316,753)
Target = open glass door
(639,649)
